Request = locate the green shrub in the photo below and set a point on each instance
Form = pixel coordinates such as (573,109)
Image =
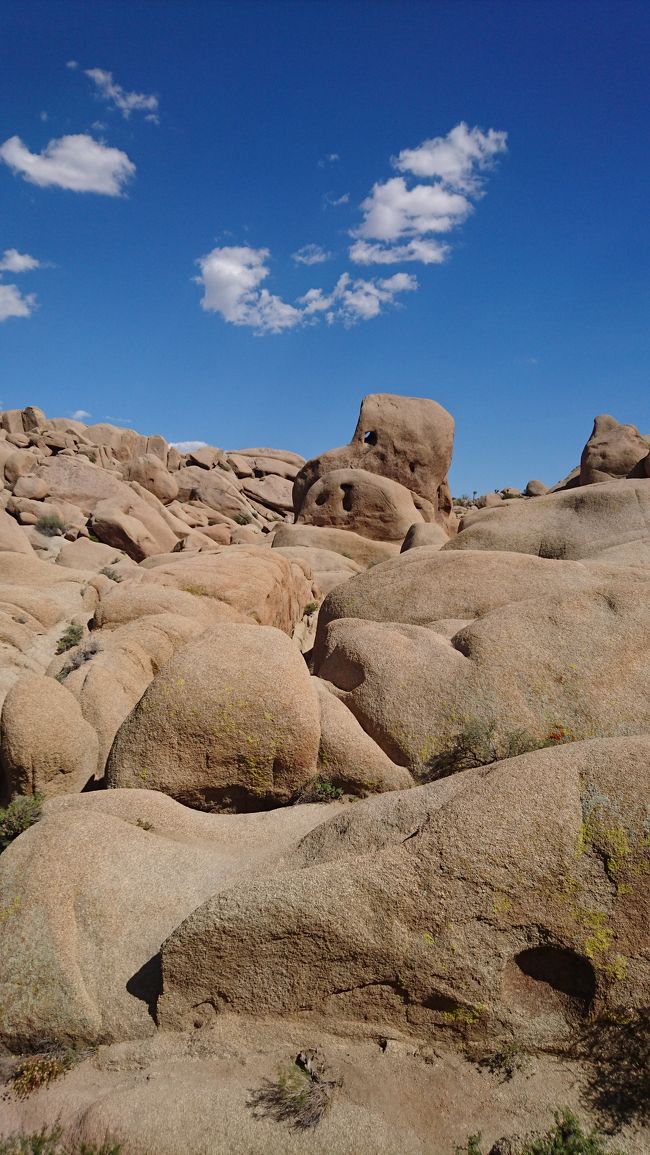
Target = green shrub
(83,655)
(478,744)
(566,1137)
(18,816)
(311,608)
(507,1062)
(70,638)
(318,791)
(243,518)
(48,1142)
(39,1071)
(51,525)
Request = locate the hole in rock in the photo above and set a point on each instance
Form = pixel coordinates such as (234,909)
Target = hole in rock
(370,438)
(549,978)
(347,497)
(321,499)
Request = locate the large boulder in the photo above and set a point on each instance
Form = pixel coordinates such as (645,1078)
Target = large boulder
(347,757)
(363,502)
(483,907)
(601,521)
(428,586)
(90,892)
(406,439)
(150,472)
(613,451)
(12,537)
(232,721)
(46,746)
(560,666)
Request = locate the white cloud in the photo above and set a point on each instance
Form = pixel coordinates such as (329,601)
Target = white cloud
(402,216)
(426,251)
(71,162)
(331,158)
(188,446)
(393,211)
(14,304)
(356,300)
(44,117)
(232,279)
(311,255)
(14,262)
(72,64)
(118,97)
(456,159)
(80,415)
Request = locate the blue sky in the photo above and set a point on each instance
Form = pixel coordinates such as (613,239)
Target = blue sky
(475,174)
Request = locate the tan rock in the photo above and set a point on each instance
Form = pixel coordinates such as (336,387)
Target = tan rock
(274,491)
(365,503)
(12,537)
(32,487)
(613,451)
(149,471)
(231,721)
(347,757)
(45,745)
(458,911)
(350,545)
(406,439)
(423,533)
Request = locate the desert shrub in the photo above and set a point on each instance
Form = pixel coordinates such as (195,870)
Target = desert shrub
(18,816)
(39,1071)
(507,1062)
(479,744)
(51,525)
(318,791)
(48,1142)
(144,825)
(83,655)
(311,608)
(109,571)
(69,638)
(300,1095)
(566,1137)
(243,518)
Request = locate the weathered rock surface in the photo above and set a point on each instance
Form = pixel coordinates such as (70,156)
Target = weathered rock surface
(613,451)
(354,499)
(475,907)
(78,960)
(231,721)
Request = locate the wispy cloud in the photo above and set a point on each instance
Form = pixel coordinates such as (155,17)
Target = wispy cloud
(399,218)
(72,64)
(79,163)
(311,255)
(331,158)
(232,277)
(330,201)
(14,262)
(13,303)
(118,97)
(80,415)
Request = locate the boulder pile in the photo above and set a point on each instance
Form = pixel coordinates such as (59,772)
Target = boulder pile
(320,751)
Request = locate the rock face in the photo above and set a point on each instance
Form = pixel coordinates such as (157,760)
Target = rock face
(406,439)
(609,521)
(614,451)
(231,720)
(129,866)
(481,906)
(375,506)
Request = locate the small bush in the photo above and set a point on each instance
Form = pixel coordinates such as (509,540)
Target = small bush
(566,1137)
(243,518)
(507,1062)
(41,1070)
(84,655)
(144,825)
(311,608)
(109,571)
(51,525)
(48,1142)
(478,744)
(70,638)
(318,791)
(300,1096)
(18,816)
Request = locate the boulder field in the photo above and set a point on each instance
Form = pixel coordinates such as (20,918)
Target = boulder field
(325,772)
